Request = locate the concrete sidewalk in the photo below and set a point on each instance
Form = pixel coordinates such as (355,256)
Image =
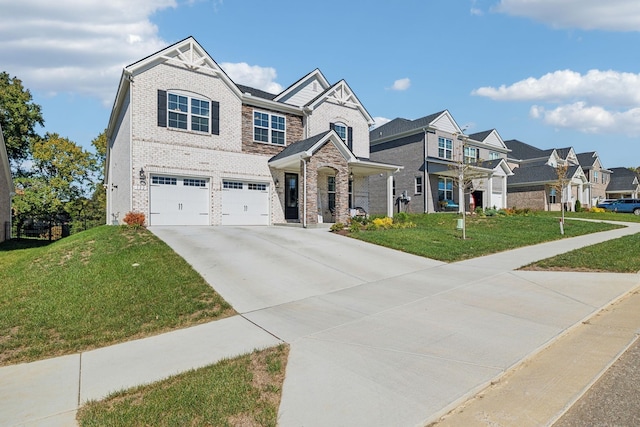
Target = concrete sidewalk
(377,337)
(48,392)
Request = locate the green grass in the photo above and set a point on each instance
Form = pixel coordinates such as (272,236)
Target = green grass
(620,255)
(95,288)
(242,391)
(436,236)
(601,216)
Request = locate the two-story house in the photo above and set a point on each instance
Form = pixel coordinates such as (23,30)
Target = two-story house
(597,176)
(536,182)
(433,150)
(6,191)
(188,146)
(623,182)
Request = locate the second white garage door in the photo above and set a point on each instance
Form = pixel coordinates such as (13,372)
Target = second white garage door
(245,203)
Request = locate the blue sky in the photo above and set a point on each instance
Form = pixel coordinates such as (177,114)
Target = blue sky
(552,73)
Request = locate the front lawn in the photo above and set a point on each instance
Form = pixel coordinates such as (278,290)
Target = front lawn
(96,288)
(435,235)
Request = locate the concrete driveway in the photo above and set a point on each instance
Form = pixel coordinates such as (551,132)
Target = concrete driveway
(379,337)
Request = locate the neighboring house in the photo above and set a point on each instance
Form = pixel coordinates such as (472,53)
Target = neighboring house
(597,176)
(535,179)
(187,145)
(624,183)
(429,149)
(6,191)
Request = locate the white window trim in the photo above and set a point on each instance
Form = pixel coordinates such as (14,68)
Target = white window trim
(444,148)
(470,159)
(416,192)
(346,131)
(269,128)
(188,113)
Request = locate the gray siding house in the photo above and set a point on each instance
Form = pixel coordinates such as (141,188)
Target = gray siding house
(6,191)
(188,146)
(429,149)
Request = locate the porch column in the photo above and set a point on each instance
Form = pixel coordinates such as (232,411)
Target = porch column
(504,193)
(580,195)
(489,198)
(390,194)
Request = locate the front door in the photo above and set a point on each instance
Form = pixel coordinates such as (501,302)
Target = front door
(291,196)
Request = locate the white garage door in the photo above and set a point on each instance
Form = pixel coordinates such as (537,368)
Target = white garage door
(245,203)
(178,200)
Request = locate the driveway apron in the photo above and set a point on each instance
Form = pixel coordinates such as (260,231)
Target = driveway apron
(379,337)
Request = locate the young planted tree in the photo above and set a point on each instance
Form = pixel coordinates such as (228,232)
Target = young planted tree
(560,185)
(468,177)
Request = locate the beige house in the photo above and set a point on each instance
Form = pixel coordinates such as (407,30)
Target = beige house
(188,146)
(6,191)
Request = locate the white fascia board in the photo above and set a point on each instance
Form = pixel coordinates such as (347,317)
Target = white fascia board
(314,74)
(123,87)
(358,105)
(339,144)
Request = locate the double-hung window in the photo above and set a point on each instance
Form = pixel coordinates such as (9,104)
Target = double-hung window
(470,155)
(494,156)
(269,128)
(418,185)
(595,176)
(445,189)
(188,113)
(552,196)
(445,148)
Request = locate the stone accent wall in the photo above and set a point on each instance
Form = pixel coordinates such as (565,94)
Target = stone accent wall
(328,161)
(293,125)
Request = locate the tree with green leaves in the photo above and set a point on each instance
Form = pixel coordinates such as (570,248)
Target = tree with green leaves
(60,179)
(19,116)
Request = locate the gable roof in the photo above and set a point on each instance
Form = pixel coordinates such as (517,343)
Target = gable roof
(491,139)
(622,179)
(522,151)
(256,92)
(306,148)
(289,93)
(399,127)
(341,94)
(5,166)
(587,159)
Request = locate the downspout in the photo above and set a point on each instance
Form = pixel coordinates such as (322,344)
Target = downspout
(425,174)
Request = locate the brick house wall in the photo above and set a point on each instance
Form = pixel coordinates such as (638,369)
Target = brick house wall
(534,198)
(328,112)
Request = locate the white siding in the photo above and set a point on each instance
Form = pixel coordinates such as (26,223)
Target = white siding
(304,93)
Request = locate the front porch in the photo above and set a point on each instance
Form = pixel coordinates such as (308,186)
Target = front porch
(319,180)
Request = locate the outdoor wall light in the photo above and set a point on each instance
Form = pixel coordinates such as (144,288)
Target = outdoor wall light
(143,177)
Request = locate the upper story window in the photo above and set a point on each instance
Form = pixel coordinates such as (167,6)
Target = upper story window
(595,176)
(445,148)
(185,112)
(180,110)
(269,128)
(494,155)
(341,130)
(470,155)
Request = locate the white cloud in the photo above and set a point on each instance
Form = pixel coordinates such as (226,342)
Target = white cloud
(253,76)
(379,121)
(596,102)
(605,87)
(81,46)
(612,15)
(76,46)
(401,84)
(590,119)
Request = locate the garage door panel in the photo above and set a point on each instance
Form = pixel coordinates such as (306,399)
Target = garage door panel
(245,203)
(179,201)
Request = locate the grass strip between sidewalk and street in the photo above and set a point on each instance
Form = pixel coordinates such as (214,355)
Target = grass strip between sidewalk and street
(244,391)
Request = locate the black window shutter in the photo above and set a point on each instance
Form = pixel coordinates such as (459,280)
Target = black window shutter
(350,138)
(162,108)
(332,126)
(215,117)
